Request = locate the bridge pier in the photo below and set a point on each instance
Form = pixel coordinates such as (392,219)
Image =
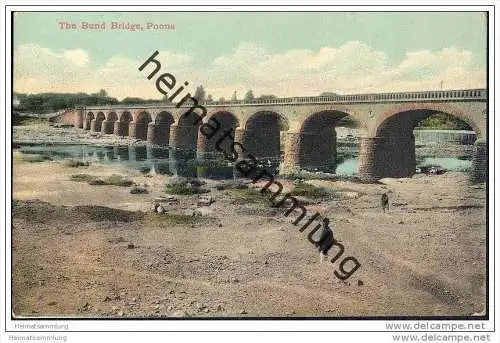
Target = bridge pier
(86,124)
(79,119)
(183,136)
(107,127)
(310,149)
(291,159)
(95,126)
(381,157)
(120,128)
(158,134)
(480,161)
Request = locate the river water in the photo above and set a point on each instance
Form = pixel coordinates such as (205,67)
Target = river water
(173,162)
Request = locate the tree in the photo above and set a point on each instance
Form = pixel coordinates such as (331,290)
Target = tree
(166,100)
(234,97)
(249,96)
(199,94)
(209,98)
(102,93)
(267,97)
(331,94)
(222,100)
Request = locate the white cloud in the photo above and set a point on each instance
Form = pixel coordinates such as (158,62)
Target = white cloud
(353,67)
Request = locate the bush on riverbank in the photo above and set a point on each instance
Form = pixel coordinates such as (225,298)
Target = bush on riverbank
(113,180)
(77,164)
(184,189)
(35,158)
(309,191)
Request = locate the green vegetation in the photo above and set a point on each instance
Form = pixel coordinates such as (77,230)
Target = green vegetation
(35,158)
(310,191)
(443,121)
(76,164)
(242,196)
(113,180)
(101,213)
(83,177)
(24,120)
(184,189)
(51,102)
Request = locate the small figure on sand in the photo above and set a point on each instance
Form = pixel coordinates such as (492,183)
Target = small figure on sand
(385,202)
(325,241)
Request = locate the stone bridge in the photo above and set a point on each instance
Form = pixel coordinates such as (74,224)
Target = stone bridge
(304,127)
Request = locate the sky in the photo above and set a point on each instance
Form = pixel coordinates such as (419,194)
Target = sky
(280,53)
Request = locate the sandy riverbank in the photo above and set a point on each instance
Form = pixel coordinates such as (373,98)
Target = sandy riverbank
(425,257)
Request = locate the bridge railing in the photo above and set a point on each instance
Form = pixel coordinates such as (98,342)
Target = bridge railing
(464,94)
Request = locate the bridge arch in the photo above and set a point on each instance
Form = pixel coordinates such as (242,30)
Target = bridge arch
(138,128)
(107,125)
(159,129)
(219,124)
(389,151)
(429,108)
(184,132)
(316,141)
(112,116)
(121,127)
(261,134)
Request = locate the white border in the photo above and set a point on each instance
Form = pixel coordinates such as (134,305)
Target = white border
(224,325)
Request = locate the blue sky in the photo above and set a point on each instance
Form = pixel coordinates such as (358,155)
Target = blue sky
(280,53)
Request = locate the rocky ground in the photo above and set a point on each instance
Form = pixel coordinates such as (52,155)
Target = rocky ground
(97,250)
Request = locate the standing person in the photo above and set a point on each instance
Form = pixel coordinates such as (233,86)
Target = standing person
(385,202)
(325,241)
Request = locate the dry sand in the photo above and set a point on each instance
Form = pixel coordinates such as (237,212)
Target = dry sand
(425,257)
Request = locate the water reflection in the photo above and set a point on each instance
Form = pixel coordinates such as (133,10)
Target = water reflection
(168,161)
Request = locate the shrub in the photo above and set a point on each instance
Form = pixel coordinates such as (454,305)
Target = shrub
(76,164)
(118,180)
(310,191)
(83,177)
(113,180)
(184,189)
(32,158)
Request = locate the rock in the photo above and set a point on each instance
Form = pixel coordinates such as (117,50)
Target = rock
(243,312)
(120,313)
(397,204)
(52,303)
(154,207)
(220,186)
(138,190)
(347,195)
(160,209)
(196,182)
(206,310)
(205,200)
(166,198)
(360,283)
(130,246)
(202,212)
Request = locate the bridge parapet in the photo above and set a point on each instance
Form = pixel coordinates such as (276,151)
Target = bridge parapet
(442,95)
